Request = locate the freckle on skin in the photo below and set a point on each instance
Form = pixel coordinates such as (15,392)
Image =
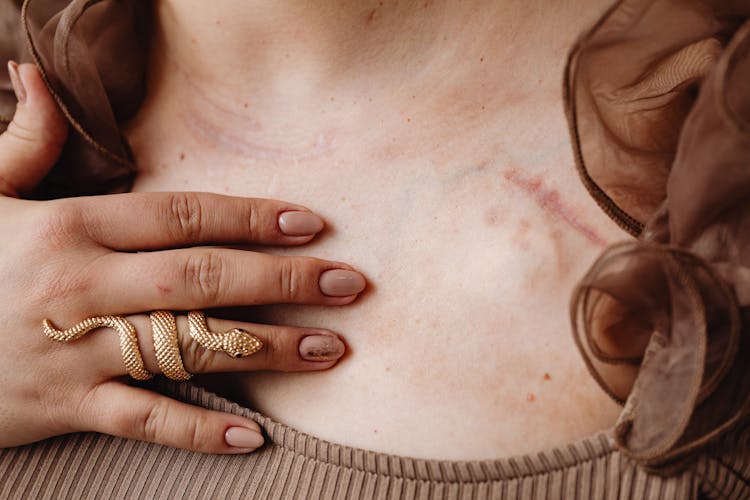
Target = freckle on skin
(530,397)
(182,156)
(492,216)
(547,376)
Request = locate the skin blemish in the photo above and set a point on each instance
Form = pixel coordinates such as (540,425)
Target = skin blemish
(182,156)
(371,16)
(164,290)
(521,236)
(549,201)
(492,216)
(530,398)
(547,377)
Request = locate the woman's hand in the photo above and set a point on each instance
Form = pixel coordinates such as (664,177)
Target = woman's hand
(127,254)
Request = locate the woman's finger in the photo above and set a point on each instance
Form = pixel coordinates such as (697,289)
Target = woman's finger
(202,278)
(34,139)
(134,413)
(284,348)
(153,221)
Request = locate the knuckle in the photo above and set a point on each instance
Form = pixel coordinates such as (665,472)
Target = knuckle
(36,133)
(292,278)
(22,132)
(49,139)
(152,423)
(198,431)
(204,273)
(55,233)
(185,211)
(59,225)
(255,222)
(277,353)
(196,358)
(60,285)
(84,405)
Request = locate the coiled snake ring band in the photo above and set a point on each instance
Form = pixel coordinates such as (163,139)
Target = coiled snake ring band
(235,342)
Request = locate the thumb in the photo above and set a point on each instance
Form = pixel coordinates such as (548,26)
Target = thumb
(134,413)
(34,139)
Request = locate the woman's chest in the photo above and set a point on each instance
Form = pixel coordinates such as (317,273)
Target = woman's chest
(470,265)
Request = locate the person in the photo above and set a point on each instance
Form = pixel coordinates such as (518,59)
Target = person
(428,136)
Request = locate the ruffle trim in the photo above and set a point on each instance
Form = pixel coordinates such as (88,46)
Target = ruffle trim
(661,141)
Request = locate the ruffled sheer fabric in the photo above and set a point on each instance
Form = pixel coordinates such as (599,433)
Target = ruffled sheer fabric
(92,54)
(658,99)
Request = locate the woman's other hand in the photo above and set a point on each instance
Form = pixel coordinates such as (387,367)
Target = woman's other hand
(128,254)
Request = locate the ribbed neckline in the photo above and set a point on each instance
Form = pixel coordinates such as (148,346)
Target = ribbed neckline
(394,466)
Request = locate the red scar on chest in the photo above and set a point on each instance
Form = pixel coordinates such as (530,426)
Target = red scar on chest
(549,201)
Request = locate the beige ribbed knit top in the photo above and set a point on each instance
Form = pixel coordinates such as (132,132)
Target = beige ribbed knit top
(657,96)
(296,465)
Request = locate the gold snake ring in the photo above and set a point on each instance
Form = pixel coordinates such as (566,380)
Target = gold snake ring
(235,342)
(131,354)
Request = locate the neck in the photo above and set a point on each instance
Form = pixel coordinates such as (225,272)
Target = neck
(293,49)
(292,46)
(289,78)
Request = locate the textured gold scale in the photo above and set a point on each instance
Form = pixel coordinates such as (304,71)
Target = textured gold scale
(166,345)
(131,353)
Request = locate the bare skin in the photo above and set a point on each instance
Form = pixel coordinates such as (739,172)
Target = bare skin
(431,138)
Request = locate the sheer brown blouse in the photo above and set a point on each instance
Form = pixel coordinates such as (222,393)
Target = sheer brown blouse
(657,96)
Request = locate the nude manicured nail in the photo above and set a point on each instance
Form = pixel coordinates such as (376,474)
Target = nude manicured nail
(321,348)
(300,223)
(242,437)
(15,80)
(341,283)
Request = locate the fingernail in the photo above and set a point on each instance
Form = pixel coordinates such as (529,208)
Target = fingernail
(321,348)
(242,437)
(300,223)
(341,283)
(15,80)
